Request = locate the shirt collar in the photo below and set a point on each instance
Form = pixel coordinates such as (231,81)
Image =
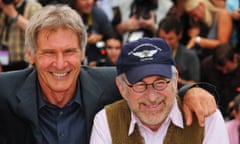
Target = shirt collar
(42,102)
(175,116)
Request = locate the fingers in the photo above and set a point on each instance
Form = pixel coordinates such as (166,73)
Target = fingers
(200,110)
(201,119)
(208,104)
(201,106)
(211,107)
(188,115)
(200,102)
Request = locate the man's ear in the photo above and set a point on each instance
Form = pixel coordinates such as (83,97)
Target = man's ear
(120,87)
(30,56)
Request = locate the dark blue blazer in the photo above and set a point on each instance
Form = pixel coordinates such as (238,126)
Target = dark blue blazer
(18,101)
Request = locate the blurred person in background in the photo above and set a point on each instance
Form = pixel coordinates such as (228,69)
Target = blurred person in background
(97,25)
(177,11)
(190,28)
(222,69)
(187,62)
(108,7)
(113,44)
(233,6)
(110,49)
(139,18)
(218,20)
(14,15)
(233,126)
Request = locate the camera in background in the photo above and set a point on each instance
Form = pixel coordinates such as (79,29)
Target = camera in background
(47,2)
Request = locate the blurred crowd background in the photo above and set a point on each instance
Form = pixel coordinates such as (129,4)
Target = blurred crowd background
(204,36)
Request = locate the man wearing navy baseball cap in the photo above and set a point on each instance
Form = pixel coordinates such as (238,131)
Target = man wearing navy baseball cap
(151,112)
(145,57)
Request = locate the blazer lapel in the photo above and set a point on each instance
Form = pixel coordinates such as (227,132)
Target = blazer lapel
(91,92)
(27,106)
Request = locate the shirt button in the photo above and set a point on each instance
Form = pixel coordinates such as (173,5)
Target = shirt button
(62,134)
(61,113)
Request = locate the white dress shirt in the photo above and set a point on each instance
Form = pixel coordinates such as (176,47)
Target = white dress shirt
(215,130)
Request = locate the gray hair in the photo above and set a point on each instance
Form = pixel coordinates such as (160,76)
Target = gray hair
(52,17)
(174,71)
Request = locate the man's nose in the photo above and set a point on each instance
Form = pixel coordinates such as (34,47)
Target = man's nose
(60,62)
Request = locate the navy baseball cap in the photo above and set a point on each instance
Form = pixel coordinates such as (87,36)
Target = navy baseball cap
(145,57)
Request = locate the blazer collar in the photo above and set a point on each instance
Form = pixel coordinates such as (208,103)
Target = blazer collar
(91,92)
(27,106)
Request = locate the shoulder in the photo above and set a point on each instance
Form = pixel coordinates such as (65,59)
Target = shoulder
(14,76)
(100,130)
(187,52)
(105,72)
(231,123)
(101,78)
(215,116)
(12,82)
(116,106)
(215,129)
(223,14)
(101,118)
(96,11)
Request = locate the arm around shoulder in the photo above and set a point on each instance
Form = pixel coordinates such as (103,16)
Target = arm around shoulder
(199,98)
(204,85)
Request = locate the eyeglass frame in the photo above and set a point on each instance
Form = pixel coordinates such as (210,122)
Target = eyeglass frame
(166,82)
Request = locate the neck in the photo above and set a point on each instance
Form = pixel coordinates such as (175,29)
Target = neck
(154,128)
(58,99)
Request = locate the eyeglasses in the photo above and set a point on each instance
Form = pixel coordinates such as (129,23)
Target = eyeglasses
(140,87)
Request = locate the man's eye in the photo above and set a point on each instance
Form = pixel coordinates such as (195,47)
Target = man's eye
(139,84)
(159,82)
(71,51)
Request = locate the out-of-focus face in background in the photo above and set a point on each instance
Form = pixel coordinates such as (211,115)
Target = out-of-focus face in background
(198,13)
(228,67)
(171,38)
(84,6)
(113,49)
